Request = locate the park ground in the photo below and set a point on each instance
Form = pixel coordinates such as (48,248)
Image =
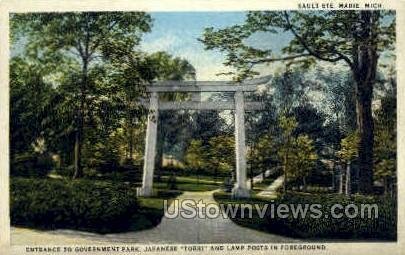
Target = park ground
(149,224)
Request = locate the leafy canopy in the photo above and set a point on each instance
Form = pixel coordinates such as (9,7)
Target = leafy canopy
(324,35)
(86,35)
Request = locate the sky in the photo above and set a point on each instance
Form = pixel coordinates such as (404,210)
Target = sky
(177,34)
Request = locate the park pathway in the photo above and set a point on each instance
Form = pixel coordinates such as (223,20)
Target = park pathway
(259,178)
(178,230)
(271,190)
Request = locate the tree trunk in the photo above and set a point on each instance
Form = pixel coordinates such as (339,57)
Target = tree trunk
(333,177)
(385,185)
(77,152)
(348,179)
(131,144)
(341,178)
(78,149)
(250,168)
(80,124)
(285,173)
(366,144)
(251,177)
(364,72)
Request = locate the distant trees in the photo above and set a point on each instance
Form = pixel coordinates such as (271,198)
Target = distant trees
(355,38)
(287,125)
(221,154)
(87,76)
(296,152)
(303,158)
(195,157)
(347,154)
(215,158)
(84,38)
(385,139)
(30,99)
(172,124)
(263,153)
(30,96)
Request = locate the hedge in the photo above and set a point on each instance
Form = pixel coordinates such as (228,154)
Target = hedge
(30,165)
(384,227)
(79,204)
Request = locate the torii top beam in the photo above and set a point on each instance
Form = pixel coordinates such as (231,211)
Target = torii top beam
(208,86)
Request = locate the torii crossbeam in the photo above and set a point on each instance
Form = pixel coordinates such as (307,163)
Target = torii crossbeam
(196,87)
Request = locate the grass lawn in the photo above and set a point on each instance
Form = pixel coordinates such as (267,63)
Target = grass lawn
(201,179)
(151,210)
(187,186)
(263,185)
(195,179)
(189,183)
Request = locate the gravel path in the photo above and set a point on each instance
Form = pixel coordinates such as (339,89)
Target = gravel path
(178,230)
(271,190)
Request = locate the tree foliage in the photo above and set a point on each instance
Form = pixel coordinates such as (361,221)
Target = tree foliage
(297,152)
(349,147)
(355,38)
(194,158)
(86,39)
(303,158)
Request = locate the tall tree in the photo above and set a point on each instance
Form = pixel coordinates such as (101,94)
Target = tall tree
(303,158)
(195,157)
(348,153)
(208,124)
(86,37)
(340,100)
(355,38)
(30,97)
(310,122)
(288,125)
(385,153)
(221,154)
(290,90)
(128,74)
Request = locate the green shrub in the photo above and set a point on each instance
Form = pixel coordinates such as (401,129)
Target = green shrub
(66,171)
(80,204)
(320,176)
(130,165)
(30,165)
(382,227)
(171,182)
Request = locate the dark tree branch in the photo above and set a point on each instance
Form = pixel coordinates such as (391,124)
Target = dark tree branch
(79,48)
(267,60)
(313,52)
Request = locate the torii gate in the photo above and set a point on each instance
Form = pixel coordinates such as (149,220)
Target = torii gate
(196,87)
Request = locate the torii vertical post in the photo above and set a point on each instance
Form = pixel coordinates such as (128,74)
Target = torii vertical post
(150,147)
(196,88)
(240,190)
